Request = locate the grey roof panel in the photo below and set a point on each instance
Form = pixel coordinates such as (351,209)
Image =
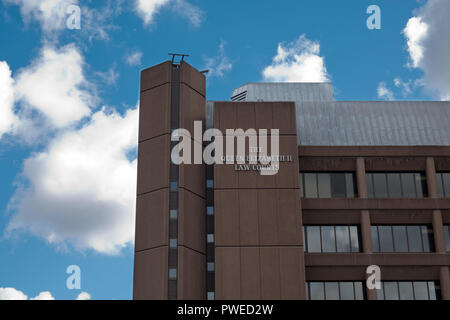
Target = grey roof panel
(323,121)
(289,91)
(373,123)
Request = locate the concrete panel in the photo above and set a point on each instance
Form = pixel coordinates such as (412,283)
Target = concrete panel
(156,75)
(250,274)
(267,215)
(193,78)
(191,221)
(228,274)
(248,217)
(284,118)
(227,219)
(292,274)
(192,108)
(152,212)
(289,217)
(154,112)
(191,275)
(270,273)
(150,274)
(192,176)
(153,164)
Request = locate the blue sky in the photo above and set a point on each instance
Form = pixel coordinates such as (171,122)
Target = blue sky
(66,94)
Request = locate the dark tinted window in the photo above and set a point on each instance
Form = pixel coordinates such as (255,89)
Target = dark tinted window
(396,185)
(327,185)
(380,185)
(443,180)
(447,237)
(340,290)
(316,291)
(411,238)
(409,290)
(329,239)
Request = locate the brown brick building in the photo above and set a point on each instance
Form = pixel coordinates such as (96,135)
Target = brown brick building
(369,184)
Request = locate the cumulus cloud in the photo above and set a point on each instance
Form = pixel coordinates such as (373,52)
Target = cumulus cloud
(428,45)
(220,64)
(384,92)
(415,32)
(8,120)
(81,189)
(55,85)
(297,61)
(14,294)
(134,58)
(147,9)
(52,16)
(46,295)
(83,296)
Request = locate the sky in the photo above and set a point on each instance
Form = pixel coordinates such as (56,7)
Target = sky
(69,91)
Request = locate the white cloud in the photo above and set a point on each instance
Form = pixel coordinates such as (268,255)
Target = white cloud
(404,86)
(428,44)
(298,61)
(81,189)
(415,31)
(8,120)
(147,9)
(83,296)
(134,58)
(14,294)
(220,64)
(192,13)
(384,92)
(109,77)
(51,14)
(44,296)
(55,85)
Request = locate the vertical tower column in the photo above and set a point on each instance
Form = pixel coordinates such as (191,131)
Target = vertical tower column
(366,233)
(170,207)
(438,227)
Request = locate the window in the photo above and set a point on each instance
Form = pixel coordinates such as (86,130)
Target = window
(342,290)
(409,238)
(173,214)
(210,211)
(172,274)
(409,290)
(209,184)
(210,266)
(447,237)
(396,185)
(210,238)
(331,239)
(174,186)
(327,185)
(443,180)
(172,243)
(210,296)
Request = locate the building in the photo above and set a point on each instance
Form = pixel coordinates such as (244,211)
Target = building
(368,184)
